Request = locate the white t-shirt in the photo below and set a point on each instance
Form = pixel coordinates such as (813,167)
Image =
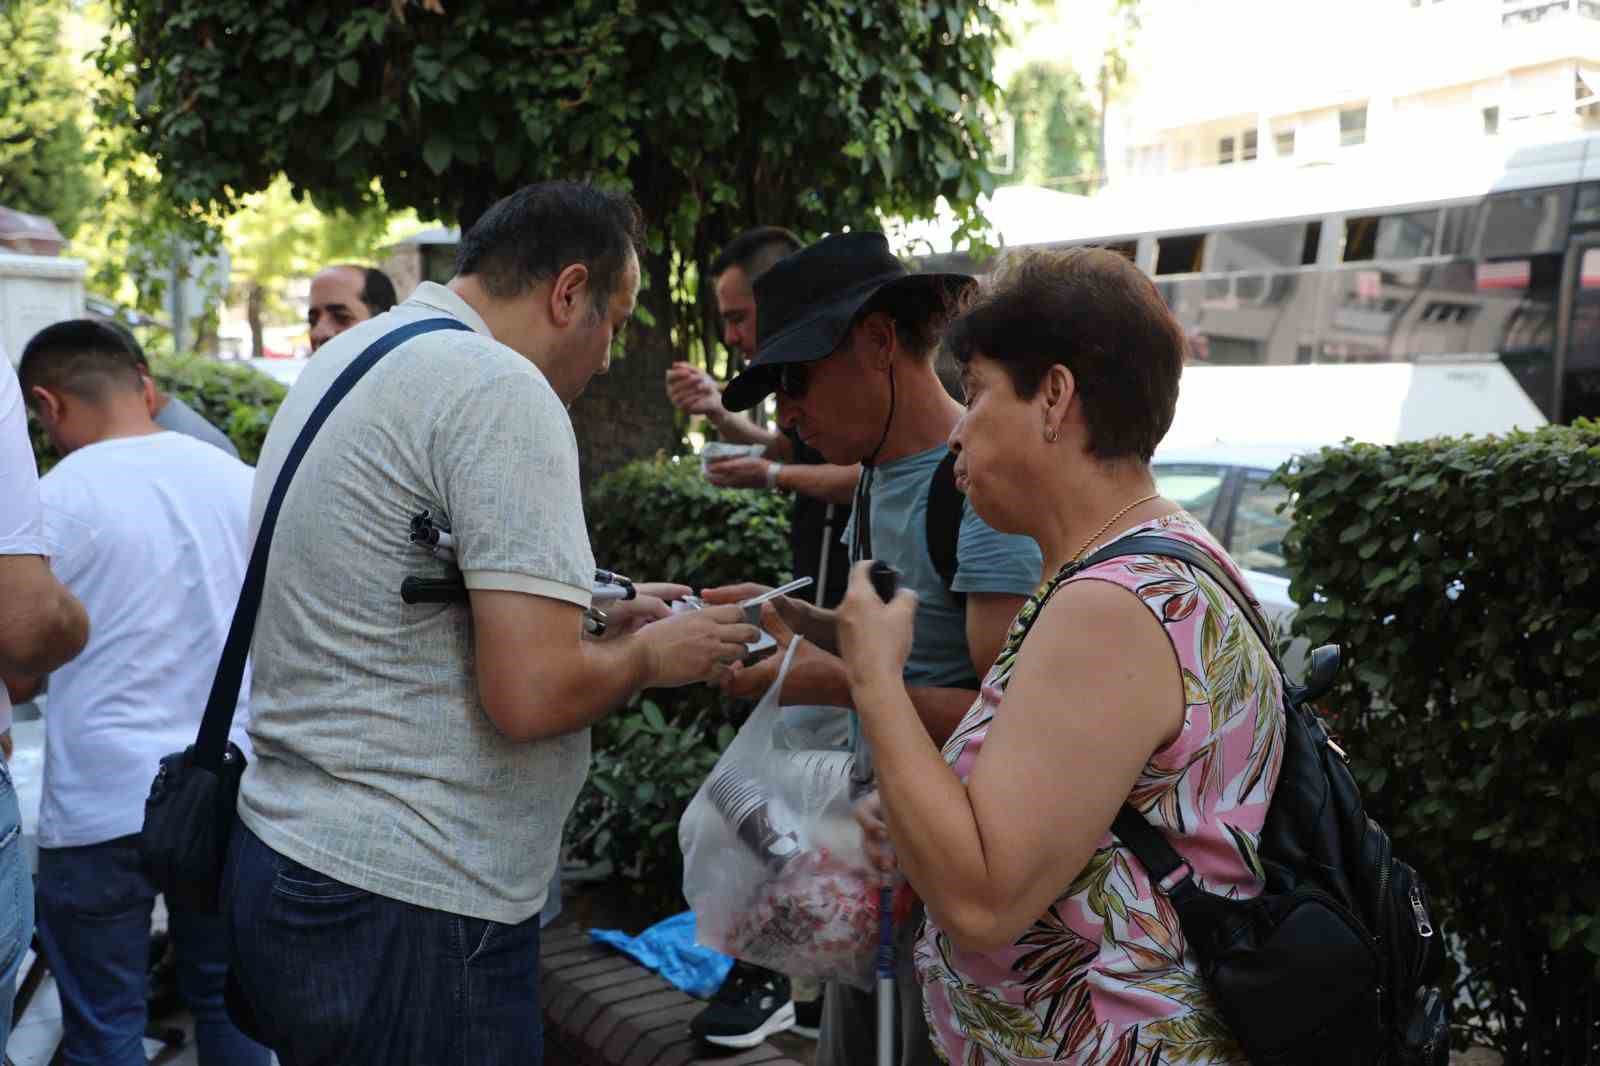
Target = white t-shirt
(21,532)
(149,532)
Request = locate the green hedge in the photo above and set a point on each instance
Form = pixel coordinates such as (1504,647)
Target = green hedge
(660,520)
(234,397)
(1462,578)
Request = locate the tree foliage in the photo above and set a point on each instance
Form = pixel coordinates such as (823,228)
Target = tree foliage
(44,160)
(1055,123)
(716,114)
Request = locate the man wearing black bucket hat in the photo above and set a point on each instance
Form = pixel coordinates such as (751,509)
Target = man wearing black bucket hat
(847,342)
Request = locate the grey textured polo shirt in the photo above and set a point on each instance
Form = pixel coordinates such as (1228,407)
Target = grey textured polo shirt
(375,761)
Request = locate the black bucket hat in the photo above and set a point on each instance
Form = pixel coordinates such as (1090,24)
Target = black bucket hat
(807,301)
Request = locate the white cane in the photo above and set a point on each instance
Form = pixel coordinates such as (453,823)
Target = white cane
(827,550)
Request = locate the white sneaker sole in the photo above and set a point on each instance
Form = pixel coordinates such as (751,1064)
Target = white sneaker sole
(780,1020)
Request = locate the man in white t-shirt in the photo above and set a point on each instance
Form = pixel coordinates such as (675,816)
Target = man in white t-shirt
(148,528)
(42,625)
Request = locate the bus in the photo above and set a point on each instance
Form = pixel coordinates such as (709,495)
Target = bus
(1388,298)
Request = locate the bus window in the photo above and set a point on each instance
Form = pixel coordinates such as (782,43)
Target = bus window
(1524,322)
(1180,254)
(1308,255)
(1445,314)
(1459,228)
(1580,384)
(1525,223)
(1262,248)
(1587,211)
(1360,238)
(1408,236)
(1389,237)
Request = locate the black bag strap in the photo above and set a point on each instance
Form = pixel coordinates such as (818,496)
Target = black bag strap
(943,524)
(211,743)
(1146,842)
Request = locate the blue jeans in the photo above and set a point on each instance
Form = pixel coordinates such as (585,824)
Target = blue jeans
(16,901)
(94,929)
(336,974)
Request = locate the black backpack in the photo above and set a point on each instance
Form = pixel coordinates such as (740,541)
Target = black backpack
(1335,962)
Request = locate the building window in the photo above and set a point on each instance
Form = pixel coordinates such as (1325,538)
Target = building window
(1491,120)
(1283,144)
(1225,151)
(1249,151)
(1353,125)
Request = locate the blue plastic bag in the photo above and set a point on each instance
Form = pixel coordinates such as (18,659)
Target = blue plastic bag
(668,948)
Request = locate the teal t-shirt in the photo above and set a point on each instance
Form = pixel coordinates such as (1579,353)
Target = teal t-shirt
(987,561)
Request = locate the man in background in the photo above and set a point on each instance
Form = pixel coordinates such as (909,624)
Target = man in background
(822,491)
(344,296)
(147,527)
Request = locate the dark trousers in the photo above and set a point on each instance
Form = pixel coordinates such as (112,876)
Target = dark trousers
(336,974)
(94,906)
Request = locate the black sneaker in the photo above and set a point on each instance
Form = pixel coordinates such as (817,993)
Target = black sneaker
(808,1018)
(751,1005)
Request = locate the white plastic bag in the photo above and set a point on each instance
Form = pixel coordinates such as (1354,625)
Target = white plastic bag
(773,862)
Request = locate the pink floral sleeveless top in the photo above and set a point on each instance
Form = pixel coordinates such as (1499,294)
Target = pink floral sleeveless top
(1105,975)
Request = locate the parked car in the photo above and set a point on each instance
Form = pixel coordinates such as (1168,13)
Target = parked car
(1229,487)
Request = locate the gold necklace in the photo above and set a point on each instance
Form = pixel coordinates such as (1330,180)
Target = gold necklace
(1109,523)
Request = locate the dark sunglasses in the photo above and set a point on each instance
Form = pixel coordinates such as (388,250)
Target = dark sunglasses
(793,379)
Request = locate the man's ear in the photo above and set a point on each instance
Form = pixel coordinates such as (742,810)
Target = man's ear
(569,295)
(878,332)
(49,405)
(150,402)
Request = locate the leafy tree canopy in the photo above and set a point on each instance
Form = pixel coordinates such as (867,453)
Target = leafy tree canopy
(44,164)
(715,114)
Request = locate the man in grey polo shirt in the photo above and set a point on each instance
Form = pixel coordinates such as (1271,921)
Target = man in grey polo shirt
(415,763)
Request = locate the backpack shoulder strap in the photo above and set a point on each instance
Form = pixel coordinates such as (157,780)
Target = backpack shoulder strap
(943,522)
(1200,559)
(1142,838)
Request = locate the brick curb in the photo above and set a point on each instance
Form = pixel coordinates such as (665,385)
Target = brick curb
(603,1009)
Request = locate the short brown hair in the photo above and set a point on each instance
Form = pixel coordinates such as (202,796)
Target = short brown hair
(1094,313)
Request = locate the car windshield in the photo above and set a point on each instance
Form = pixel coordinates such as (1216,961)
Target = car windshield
(1194,487)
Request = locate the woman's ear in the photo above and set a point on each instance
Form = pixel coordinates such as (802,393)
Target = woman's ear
(1057,390)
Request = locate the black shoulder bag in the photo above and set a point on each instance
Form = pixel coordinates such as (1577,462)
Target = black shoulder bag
(1335,962)
(188,817)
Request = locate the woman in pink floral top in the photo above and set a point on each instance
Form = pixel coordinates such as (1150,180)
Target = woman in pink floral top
(1136,680)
